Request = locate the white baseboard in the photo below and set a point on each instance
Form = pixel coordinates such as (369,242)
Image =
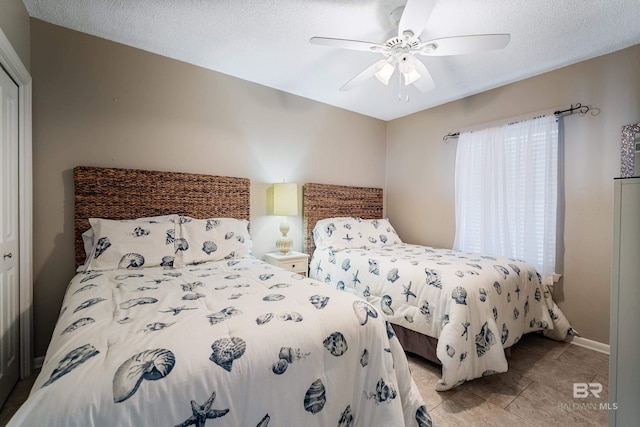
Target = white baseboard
(590,344)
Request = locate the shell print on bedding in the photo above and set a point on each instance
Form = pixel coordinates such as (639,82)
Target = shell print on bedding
(147,365)
(484,340)
(293,316)
(170,237)
(139,232)
(209,247)
(319,301)
(192,297)
(131,260)
(167,261)
(287,356)
(211,224)
(157,326)
(433,278)
(315,397)
(501,270)
(384,392)
(101,246)
(346,419)
(223,315)
(202,413)
(336,344)
(459,295)
(364,358)
(264,422)
(177,310)
(77,324)
(264,318)
(373,267)
(181,245)
(423,418)
(273,297)
(88,303)
(90,277)
(128,276)
(85,287)
(392,275)
(71,361)
(363,311)
(137,301)
(226,350)
(385,304)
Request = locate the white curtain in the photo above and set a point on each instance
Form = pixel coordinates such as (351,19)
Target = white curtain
(506,192)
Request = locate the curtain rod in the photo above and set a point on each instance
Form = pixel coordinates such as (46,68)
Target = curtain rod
(579,108)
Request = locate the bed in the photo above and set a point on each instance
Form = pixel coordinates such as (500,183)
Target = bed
(461,310)
(173,322)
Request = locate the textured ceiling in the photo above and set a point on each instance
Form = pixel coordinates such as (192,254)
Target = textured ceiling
(267,41)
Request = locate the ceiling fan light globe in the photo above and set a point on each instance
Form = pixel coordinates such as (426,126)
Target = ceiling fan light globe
(411,77)
(384,73)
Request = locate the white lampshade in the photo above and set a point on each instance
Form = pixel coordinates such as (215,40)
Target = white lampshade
(285,199)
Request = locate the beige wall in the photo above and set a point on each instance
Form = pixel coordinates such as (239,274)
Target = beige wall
(14,22)
(420,168)
(104,104)
(99,103)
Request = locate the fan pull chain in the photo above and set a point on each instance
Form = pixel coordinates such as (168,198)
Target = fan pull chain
(400,89)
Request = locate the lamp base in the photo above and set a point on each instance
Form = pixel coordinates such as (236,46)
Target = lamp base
(284,245)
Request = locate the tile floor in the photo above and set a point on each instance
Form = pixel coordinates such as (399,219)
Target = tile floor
(536,391)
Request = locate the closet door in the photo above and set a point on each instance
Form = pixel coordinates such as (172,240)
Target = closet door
(9,237)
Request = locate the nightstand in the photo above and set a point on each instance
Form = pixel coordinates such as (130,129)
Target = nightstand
(293,261)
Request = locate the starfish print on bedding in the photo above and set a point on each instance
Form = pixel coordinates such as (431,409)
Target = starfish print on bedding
(177,310)
(201,413)
(407,292)
(355,279)
(347,238)
(465,330)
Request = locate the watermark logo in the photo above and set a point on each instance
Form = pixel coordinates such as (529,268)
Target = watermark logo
(584,390)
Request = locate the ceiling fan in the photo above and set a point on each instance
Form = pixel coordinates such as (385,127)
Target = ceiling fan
(400,51)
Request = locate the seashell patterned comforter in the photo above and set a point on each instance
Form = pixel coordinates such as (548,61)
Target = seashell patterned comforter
(226,343)
(475,305)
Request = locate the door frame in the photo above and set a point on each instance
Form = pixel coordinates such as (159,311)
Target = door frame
(10,61)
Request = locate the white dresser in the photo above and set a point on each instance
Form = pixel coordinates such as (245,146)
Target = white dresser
(624,339)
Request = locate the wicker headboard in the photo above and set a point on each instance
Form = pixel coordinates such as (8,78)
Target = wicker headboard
(322,201)
(132,193)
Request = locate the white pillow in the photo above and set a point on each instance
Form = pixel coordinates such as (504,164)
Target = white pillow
(339,233)
(213,239)
(378,233)
(353,233)
(131,244)
(88,240)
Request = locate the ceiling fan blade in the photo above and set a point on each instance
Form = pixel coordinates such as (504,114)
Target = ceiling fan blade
(415,16)
(347,44)
(363,76)
(425,83)
(465,44)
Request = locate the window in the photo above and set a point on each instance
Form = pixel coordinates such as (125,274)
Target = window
(506,192)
